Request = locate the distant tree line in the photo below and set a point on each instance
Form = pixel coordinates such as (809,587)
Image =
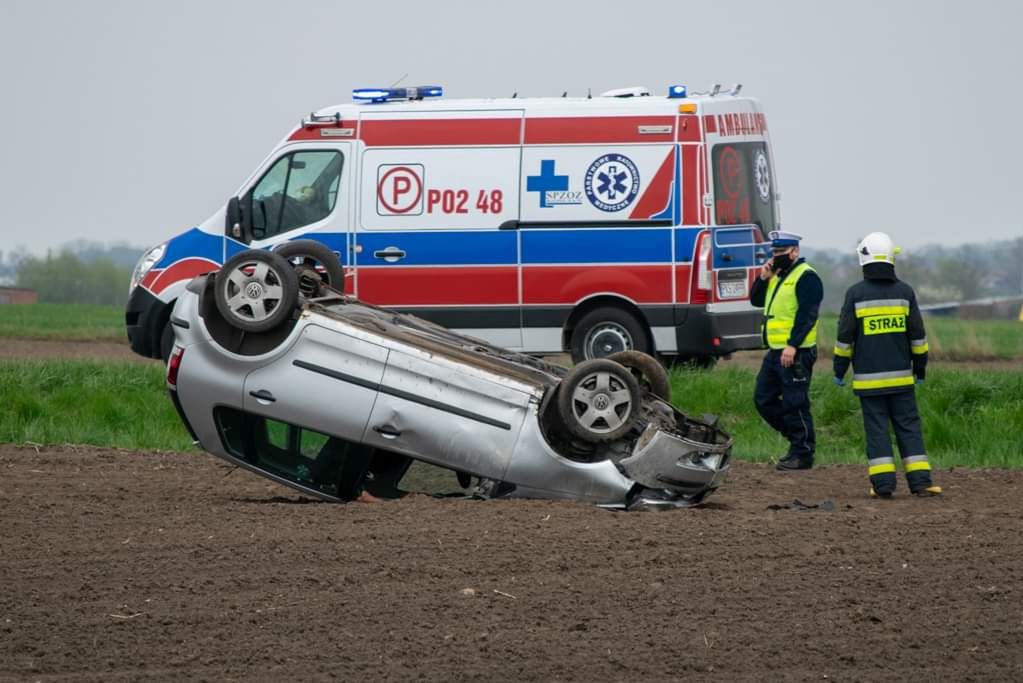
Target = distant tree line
(938,273)
(65,278)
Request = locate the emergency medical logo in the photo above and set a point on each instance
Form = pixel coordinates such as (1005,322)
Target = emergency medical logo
(612,182)
(553,188)
(762,176)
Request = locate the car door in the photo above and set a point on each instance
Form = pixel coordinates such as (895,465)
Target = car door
(463,419)
(326,381)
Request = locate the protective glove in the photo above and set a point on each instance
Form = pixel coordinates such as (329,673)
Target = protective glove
(839,382)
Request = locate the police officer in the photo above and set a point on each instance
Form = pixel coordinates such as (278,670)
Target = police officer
(881,332)
(790,292)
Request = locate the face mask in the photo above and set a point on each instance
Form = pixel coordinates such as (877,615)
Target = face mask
(782,261)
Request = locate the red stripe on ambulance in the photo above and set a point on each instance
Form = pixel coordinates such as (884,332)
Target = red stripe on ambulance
(658,193)
(429,132)
(436,286)
(570,284)
(185,269)
(599,129)
(691,193)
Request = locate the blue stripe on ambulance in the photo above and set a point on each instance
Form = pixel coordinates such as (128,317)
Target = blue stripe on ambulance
(601,245)
(442,247)
(193,243)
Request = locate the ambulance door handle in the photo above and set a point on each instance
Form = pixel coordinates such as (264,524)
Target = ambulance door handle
(726,257)
(390,254)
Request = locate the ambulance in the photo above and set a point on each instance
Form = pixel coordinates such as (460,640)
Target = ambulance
(629,220)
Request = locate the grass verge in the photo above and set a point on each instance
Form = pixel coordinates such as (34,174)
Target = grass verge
(70,322)
(953,339)
(102,403)
(971,417)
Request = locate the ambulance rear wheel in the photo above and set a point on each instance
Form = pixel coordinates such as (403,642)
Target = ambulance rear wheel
(604,331)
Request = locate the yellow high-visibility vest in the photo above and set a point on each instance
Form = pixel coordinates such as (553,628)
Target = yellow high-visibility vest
(780,314)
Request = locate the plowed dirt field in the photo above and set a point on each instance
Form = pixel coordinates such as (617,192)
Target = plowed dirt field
(118,565)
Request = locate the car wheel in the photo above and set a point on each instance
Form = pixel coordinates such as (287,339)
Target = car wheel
(650,374)
(312,258)
(256,290)
(604,331)
(598,400)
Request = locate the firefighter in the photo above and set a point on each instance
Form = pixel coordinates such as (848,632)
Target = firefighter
(881,332)
(790,292)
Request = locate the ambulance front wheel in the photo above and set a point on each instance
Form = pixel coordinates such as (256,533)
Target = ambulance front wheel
(604,331)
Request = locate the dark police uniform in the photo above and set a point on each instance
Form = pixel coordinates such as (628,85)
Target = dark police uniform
(791,302)
(881,332)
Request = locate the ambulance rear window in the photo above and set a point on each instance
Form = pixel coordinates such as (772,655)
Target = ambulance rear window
(743,186)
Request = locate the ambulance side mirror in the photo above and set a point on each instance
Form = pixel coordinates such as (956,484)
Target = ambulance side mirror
(235,222)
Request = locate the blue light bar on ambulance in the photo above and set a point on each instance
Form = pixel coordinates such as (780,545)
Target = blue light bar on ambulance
(676,91)
(392,94)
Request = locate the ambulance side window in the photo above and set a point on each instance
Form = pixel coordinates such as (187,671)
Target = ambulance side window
(299,189)
(743,186)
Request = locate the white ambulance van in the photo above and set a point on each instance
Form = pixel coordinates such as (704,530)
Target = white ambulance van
(588,225)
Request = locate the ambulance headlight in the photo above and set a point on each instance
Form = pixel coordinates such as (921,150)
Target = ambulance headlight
(145,264)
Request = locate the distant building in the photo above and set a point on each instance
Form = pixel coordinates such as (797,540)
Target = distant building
(18,295)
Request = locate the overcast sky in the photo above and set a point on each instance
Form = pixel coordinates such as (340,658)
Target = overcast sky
(132,121)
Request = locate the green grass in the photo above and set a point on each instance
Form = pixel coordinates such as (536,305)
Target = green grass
(970,417)
(952,338)
(77,322)
(102,403)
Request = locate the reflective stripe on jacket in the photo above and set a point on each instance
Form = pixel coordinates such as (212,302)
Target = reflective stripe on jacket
(881,332)
(780,311)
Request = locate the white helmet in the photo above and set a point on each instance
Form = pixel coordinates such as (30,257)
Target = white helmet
(877,247)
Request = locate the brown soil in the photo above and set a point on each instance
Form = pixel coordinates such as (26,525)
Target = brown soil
(39,349)
(119,565)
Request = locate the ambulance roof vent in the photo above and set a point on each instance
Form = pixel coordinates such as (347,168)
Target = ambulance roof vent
(634,91)
(377,95)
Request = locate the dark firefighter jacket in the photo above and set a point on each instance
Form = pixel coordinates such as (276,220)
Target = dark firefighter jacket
(882,333)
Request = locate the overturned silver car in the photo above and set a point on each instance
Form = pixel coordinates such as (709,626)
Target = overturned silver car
(278,373)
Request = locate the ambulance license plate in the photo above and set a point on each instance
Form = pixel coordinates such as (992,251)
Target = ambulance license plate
(732,289)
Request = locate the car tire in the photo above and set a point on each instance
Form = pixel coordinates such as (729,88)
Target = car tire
(305,255)
(604,331)
(598,400)
(649,373)
(256,290)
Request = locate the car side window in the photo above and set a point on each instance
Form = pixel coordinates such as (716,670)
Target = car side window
(300,188)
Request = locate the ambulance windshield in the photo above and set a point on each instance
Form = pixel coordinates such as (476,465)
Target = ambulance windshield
(743,186)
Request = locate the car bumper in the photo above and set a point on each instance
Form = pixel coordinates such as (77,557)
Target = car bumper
(144,319)
(715,333)
(683,466)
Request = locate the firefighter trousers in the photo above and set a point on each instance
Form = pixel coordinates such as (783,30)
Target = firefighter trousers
(899,411)
(782,397)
